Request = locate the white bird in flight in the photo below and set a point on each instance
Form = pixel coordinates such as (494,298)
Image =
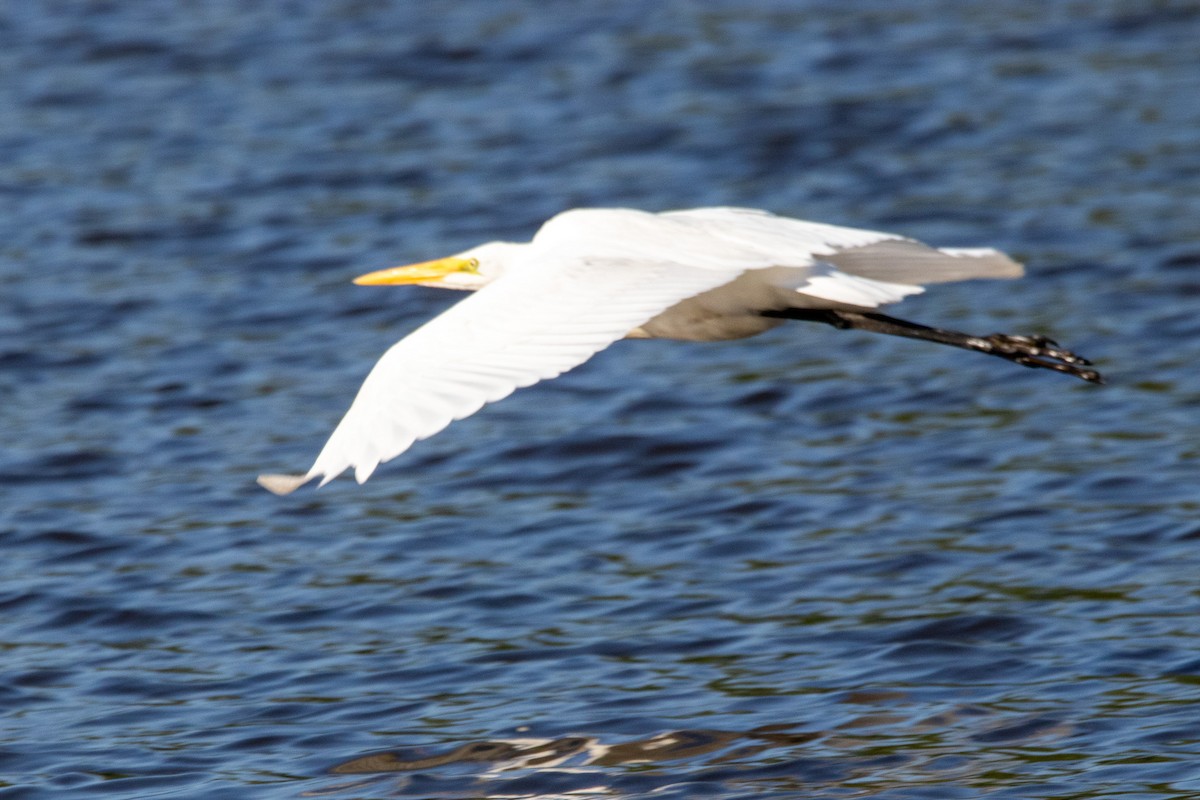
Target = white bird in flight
(592,276)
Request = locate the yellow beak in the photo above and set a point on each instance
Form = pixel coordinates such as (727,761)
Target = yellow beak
(426,271)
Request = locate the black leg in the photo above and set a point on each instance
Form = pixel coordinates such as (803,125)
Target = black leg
(1029,351)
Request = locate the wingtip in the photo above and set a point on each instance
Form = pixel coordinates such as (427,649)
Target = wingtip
(997,263)
(282,484)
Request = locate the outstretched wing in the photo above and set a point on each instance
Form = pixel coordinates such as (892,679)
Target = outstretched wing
(533,324)
(873,255)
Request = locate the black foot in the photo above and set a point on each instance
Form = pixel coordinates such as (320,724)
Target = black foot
(1039,352)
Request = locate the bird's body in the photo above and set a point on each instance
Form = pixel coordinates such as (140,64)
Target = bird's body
(592,276)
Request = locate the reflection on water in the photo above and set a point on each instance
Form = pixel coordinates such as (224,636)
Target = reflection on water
(545,754)
(871,750)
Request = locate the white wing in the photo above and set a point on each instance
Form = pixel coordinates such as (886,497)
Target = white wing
(534,323)
(875,256)
(794,239)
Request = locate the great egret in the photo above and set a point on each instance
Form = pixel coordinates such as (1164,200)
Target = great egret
(592,276)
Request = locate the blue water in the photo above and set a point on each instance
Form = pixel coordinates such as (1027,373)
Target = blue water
(812,564)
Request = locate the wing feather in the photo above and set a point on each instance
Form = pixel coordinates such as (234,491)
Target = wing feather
(873,255)
(535,323)
(908,261)
(795,241)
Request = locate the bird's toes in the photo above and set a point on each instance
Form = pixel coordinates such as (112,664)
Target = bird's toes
(1089,375)
(1042,352)
(1034,346)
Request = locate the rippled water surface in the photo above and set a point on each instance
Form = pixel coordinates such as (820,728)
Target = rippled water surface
(811,564)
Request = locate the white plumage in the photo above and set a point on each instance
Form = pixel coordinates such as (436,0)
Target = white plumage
(592,276)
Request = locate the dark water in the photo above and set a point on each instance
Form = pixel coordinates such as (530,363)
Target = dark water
(814,564)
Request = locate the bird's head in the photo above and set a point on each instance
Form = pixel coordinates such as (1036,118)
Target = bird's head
(471,269)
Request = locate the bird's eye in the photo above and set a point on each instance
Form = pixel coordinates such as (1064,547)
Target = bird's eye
(473,265)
